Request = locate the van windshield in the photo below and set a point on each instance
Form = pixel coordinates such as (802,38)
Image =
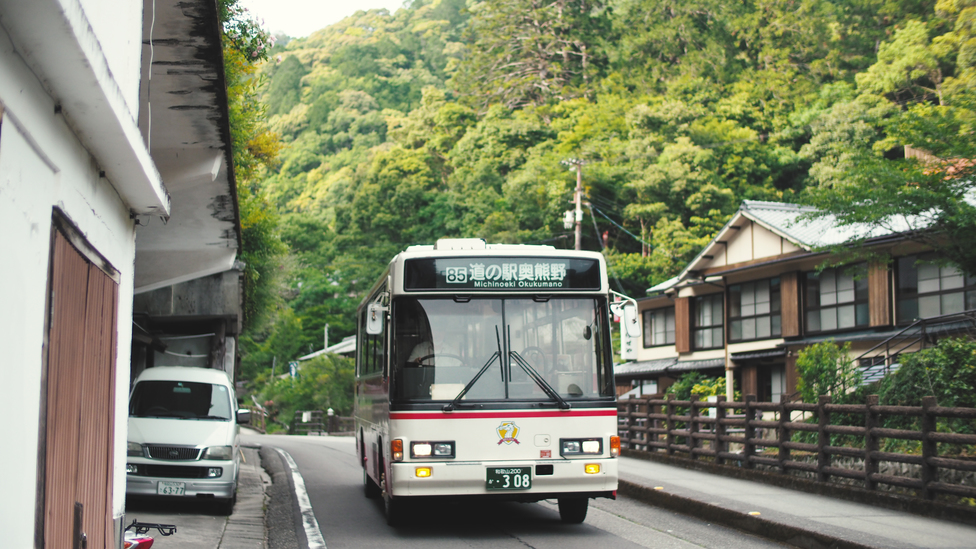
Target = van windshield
(180,399)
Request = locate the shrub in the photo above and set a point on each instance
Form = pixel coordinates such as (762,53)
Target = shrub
(826,369)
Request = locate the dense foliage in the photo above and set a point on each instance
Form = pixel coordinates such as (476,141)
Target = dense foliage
(453,118)
(256,150)
(323,382)
(946,371)
(827,369)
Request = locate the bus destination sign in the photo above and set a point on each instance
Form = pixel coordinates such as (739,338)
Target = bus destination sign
(502,274)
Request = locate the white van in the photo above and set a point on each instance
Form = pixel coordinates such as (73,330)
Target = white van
(184,438)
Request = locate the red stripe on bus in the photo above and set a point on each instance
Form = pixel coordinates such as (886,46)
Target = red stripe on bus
(500,415)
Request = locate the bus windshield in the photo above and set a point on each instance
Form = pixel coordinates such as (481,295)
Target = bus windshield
(459,350)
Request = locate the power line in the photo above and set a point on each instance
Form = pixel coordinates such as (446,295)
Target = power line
(634,236)
(603,248)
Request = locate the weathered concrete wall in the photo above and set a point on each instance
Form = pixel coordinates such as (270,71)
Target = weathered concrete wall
(217,295)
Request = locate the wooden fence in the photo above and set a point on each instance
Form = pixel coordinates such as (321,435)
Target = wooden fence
(259,418)
(316,421)
(743,433)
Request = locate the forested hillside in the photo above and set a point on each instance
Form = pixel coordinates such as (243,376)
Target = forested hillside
(455,118)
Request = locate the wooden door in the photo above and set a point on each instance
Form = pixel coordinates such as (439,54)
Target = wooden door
(80,402)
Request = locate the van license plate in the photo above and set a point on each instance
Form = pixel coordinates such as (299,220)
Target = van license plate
(165,488)
(509,478)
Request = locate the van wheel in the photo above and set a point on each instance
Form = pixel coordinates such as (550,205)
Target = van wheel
(573,510)
(370,488)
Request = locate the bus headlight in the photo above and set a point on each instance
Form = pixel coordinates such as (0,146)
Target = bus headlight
(580,446)
(441,449)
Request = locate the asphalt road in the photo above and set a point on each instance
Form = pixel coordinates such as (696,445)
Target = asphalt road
(333,480)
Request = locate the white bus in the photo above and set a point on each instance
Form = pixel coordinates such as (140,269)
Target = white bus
(485,371)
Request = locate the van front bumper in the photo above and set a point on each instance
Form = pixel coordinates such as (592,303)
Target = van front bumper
(142,482)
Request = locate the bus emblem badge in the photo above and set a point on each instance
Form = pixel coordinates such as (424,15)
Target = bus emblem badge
(507,432)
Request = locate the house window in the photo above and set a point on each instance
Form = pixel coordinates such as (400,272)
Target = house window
(708,322)
(835,300)
(659,327)
(754,310)
(926,289)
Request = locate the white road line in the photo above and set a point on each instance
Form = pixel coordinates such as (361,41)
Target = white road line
(312,532)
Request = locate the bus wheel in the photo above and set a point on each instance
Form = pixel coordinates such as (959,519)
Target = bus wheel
(370,488)
(573,510)
(395,510)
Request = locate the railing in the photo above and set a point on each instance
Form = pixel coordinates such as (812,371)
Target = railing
(309,422)
(919,333)
(740,433)
(259,419)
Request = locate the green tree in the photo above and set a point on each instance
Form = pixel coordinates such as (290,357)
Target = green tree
(946,371)
(927,197)
(529,52)
(323,382)
(255,149)
(827,369)
(909,67)
(285,91)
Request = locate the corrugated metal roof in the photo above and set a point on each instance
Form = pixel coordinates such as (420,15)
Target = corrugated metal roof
(785,220)
(663,286)
(346,346)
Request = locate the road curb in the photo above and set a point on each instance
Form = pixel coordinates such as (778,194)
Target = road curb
(283,523)
(761,527)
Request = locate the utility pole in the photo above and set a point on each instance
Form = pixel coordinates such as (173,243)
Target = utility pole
(576,217)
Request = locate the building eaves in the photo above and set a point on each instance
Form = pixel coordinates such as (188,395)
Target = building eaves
(786,221)
(58,43)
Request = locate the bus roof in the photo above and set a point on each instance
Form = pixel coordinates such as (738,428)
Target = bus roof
(459,247)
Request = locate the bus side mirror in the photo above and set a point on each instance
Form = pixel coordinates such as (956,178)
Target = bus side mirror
(629,321)
(374,318)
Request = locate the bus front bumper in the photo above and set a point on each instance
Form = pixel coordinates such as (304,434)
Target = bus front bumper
(548,479)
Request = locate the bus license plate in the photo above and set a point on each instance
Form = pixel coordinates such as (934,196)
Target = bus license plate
(166,488)
(509,478)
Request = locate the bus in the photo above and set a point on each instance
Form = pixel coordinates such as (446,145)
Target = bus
(486,371)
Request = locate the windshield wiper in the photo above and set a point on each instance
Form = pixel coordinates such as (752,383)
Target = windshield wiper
(538,379)
(496,355)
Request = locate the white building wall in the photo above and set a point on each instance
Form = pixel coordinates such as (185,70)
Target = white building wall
(42,166)
(118,26)
(740,248)
(655,353)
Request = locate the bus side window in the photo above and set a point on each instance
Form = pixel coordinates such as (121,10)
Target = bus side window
(361,355)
